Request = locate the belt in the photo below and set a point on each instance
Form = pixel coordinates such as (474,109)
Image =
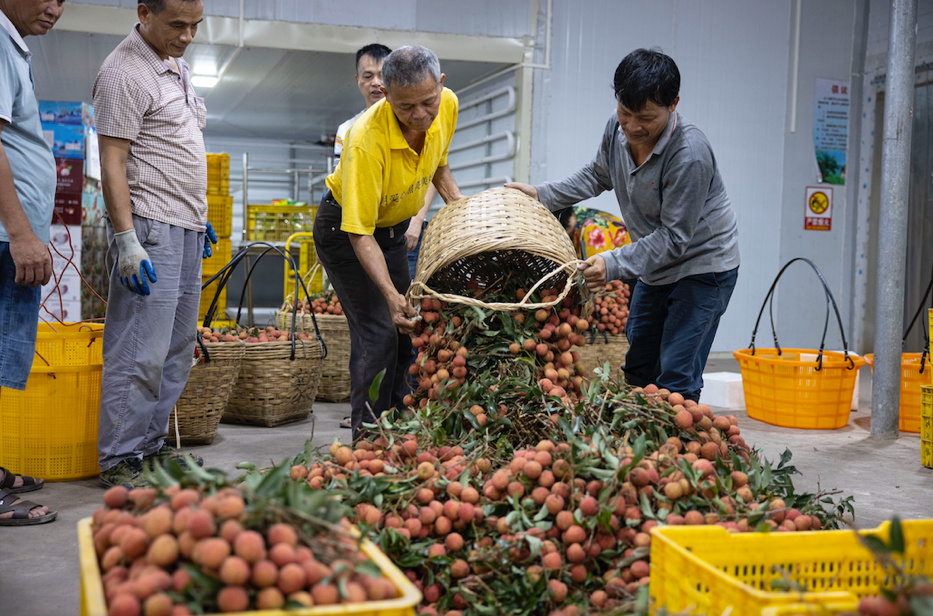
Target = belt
(378,232)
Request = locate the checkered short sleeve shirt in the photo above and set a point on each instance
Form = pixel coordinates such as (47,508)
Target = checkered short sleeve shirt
(138,98)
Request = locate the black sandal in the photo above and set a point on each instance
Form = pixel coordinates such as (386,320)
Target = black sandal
(21,511)
(29,483)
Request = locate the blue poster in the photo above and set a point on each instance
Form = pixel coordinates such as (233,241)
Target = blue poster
(831,130)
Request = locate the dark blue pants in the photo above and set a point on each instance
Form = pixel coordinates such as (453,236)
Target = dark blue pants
(671,328)
(375,344)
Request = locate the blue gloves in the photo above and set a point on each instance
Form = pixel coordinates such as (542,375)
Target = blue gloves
(134,263)
(209,238)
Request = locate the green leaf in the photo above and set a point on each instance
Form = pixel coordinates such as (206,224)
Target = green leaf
(374,388)
(897,536)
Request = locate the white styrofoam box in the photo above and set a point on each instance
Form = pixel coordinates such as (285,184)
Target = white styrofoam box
(68,312)
(723,390)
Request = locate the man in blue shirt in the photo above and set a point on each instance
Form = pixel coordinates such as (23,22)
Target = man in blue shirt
(27,199)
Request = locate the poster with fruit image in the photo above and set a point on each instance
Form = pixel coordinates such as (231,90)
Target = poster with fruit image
(69,176)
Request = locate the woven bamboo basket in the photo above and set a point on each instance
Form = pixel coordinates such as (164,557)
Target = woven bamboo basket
(478,239)
(201,405)
(603,348)
(273,389)
(335,370)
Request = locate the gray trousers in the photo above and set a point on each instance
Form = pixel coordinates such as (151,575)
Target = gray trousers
(148,342)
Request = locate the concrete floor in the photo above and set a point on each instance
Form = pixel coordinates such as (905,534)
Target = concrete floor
(39,571)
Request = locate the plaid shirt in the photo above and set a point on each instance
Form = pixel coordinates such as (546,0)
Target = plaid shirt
(138,98)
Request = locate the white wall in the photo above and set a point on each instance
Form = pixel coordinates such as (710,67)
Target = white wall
(826,31)
(733,58)
(509,18)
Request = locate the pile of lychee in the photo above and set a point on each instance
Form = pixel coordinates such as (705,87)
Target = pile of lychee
(148,543)
(611,312)
(549,338)
(249,335)
(325,303)
(461,521)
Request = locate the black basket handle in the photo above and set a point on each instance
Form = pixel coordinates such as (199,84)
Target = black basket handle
(829,300)
(926,330)
(224,275)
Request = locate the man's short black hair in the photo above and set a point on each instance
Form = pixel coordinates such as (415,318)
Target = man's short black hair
(157,6)
(376,51)
(646,75)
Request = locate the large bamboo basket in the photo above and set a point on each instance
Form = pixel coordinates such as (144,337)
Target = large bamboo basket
(482,237)
(201,405)
(335,371)
(272,388)
(603,348)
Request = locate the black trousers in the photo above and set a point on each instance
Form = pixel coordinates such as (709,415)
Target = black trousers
(375,344)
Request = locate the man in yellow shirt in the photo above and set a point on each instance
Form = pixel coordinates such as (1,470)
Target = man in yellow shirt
(392,153)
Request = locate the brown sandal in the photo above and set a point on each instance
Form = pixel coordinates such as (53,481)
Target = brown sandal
(21,511)
(29,483)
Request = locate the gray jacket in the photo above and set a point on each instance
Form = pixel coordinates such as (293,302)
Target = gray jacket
(674,205)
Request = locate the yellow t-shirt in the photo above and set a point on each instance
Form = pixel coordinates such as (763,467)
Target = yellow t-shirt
(381,181)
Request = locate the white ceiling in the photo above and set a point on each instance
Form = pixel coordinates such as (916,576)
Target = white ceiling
(294,96)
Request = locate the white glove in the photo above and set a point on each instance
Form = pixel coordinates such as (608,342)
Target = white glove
(134,263)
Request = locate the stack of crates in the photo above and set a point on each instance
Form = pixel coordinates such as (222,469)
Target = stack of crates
(926,410)
(220,215)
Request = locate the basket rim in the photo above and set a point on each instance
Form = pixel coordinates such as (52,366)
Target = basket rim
(831,359)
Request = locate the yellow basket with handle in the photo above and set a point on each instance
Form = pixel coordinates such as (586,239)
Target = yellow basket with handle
(708,570)
(93,601)
(49,430)
(799,388)
(915,372)
(308,268)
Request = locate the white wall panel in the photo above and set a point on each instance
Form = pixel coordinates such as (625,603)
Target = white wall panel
(733,58)
(825,53)
(506,18)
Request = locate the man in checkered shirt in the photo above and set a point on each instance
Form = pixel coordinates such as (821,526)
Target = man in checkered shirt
(154,175)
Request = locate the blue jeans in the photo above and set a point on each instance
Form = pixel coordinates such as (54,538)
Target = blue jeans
(148,342)
(19,324)
(413,255)
(671,328)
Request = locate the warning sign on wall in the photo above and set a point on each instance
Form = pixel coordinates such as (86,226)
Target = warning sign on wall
(818,211)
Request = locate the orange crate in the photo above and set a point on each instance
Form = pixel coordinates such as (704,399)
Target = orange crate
(911,381)
(788,390)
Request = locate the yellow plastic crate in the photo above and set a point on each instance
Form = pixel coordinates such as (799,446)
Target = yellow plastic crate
(707,570)
(49,430)
(926,425)
(207,296)
(220,214)
(218,174)
(221,253)
(911,381)
(275,223)
(809,609)
(93,602)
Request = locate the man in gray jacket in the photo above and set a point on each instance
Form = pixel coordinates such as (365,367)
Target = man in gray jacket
(674,204)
